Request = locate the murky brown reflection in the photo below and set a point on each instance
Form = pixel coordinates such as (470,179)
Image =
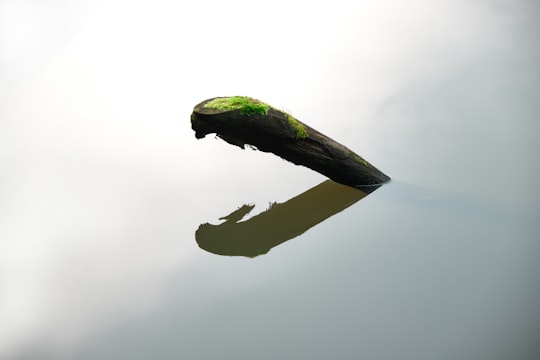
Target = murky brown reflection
(281,222)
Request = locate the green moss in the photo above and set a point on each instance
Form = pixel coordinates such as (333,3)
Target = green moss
(359,159)
(301,132)
(250,106)
(246,105)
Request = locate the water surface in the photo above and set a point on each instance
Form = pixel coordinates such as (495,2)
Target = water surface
(124,237)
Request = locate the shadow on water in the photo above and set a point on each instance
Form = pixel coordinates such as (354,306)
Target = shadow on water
(281,222)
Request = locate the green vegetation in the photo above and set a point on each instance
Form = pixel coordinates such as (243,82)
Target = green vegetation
(246,105)
(301,132)
(250,106)
(359,159)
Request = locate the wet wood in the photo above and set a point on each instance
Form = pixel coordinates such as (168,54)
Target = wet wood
(277,133)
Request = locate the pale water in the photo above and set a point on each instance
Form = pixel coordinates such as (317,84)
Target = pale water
(124,237)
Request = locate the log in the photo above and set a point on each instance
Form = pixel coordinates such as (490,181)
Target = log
(241,121)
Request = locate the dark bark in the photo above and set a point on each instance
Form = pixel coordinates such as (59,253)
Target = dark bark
(273,132)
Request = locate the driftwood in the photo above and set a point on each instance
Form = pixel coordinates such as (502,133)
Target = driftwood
(245,121)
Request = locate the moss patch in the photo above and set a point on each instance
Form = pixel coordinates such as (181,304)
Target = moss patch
(359,159)
(301,132)
(246,105)
(251,106)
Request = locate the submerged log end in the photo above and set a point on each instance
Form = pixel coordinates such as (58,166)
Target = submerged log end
(240,120)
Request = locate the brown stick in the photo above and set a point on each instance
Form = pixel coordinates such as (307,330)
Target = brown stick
(279,133)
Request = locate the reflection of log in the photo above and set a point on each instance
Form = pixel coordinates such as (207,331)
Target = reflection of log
(274,131)
(281,222)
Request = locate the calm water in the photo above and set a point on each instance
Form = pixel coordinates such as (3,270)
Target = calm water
(124,237)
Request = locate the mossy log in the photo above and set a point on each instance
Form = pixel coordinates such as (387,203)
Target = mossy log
(245,121)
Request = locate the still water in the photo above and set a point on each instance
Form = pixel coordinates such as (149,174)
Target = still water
(124,237)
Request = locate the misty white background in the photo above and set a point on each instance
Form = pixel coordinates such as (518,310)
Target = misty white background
(97,155)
